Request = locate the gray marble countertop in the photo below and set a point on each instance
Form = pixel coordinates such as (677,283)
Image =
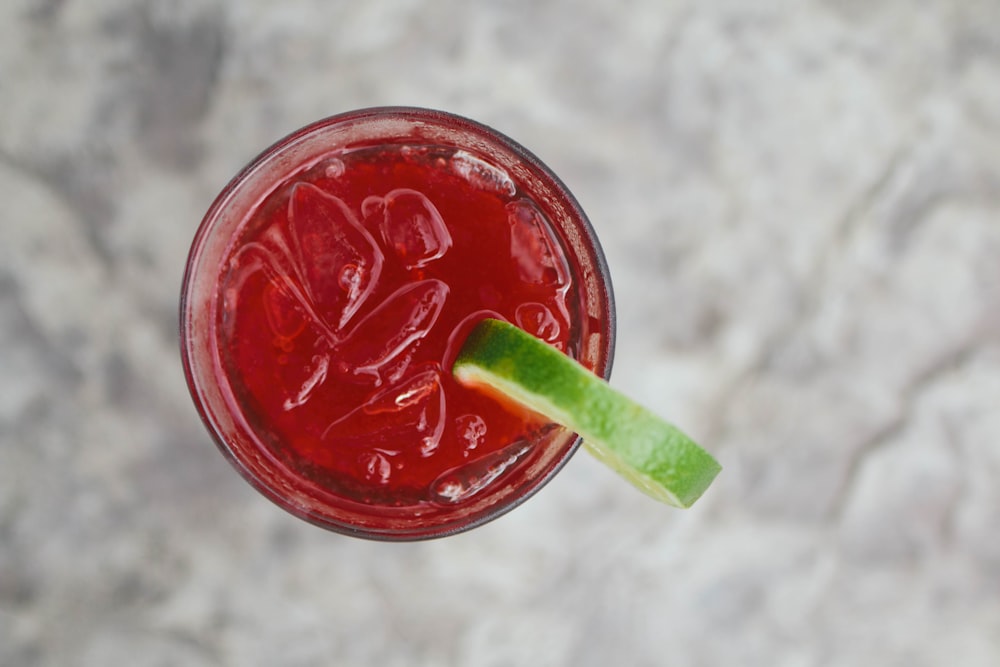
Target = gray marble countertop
(800,204)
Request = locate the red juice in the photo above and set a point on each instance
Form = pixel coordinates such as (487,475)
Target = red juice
(330,288)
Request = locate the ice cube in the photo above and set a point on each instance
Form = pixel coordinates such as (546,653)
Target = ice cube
(285,304)
(316,372)
(283,311)
(392,328)
(538,320)
(427,155)
(376,466)
(411,226)
(482,174)
(372,211)
(339,259)
(299,358)
(532,246)
(465,481)
(403,416)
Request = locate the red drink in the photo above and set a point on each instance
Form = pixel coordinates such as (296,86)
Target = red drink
(328,291)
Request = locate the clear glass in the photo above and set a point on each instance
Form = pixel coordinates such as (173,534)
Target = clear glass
(237,433)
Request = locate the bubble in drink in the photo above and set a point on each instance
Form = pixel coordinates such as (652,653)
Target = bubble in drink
(334,168)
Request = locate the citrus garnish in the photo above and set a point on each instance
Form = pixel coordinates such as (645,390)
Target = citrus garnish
(649,452)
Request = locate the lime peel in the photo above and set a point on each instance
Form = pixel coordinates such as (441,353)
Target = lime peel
(649,452)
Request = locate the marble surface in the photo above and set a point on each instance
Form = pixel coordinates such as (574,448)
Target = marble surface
(800,204)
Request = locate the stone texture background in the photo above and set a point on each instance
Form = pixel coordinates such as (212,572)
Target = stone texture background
(800,203)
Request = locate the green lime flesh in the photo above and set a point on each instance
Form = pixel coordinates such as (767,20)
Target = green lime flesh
(651,453)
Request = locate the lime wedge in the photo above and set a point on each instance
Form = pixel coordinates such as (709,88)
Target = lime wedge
(649,452)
